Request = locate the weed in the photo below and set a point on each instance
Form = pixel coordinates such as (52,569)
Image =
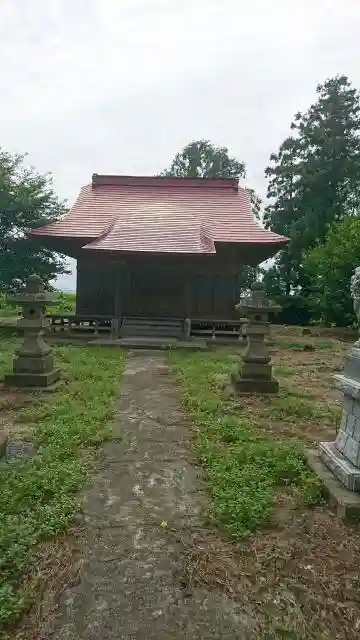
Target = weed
(38,498)
(284,370)
(293,407)
(243,466)
(293,346)
(304,346)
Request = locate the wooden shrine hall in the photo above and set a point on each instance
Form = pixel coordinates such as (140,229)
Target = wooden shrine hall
(160,249)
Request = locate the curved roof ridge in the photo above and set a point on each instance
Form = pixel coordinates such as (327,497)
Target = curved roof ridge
(211,215)
(163,181)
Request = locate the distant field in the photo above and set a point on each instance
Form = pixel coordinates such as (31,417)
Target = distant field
(66,305)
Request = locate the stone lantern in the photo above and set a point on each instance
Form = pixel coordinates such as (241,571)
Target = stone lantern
(34,364)
(255,373)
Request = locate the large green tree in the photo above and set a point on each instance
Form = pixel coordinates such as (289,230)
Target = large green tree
(314,180)
(27,200)
(202,159)
(330,267)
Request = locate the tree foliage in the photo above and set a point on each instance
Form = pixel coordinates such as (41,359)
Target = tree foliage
(330,267)
(314,179)
(202,159)
(247,276)
(27,200)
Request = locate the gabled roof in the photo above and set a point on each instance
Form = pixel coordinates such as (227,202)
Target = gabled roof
(161,215)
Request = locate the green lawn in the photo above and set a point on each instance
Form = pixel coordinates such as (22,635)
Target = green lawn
(271,542)
(38,497)
(252,453)
(245,462)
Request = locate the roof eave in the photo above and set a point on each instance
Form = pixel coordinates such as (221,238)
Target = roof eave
(104,250)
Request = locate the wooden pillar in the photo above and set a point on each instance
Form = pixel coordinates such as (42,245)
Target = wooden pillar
(118,298)
(187,291)
(78,287)
(127,286)
(117,290)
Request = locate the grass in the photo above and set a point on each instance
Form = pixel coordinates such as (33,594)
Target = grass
(277,551)
(67,302)
(39,495)
(294,407)
(292,565)
(244,465)
(304,345)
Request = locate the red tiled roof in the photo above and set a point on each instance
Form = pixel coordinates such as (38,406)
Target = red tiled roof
(160,215)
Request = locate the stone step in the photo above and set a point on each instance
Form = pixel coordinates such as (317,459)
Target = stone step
(132,327)
(150,343)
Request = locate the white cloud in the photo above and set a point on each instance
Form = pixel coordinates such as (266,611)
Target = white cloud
(121,85)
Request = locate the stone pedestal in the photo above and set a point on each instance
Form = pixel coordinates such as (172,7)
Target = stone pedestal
(342,457)
(255,373)
(269,339)
(34,362)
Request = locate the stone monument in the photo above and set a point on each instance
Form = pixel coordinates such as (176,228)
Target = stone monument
(34,364)
(342,457)
(255,373)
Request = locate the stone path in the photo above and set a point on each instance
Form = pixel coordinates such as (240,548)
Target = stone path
(129,588)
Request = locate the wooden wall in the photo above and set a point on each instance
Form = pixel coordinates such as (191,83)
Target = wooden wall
(183,286)
(214,295)
(95,286)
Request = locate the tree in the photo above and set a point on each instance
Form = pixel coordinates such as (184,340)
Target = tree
(314,178)
(201,159)
(280,214)
(247,276)
(330,267)
(27,200)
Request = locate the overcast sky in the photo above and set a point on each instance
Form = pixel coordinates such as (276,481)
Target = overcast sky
(119,86)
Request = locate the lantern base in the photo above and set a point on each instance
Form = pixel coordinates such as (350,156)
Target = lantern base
(34,363)
(255,371)
(31,379)
(262,386)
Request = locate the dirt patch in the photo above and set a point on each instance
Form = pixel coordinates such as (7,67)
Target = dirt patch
(308,406)
(306,419)
(298,577)
(337,333)
(12,401)
(58,566)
